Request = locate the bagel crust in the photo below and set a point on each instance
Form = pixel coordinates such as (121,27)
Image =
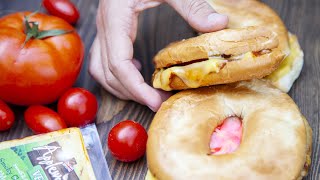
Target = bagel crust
(246,13)
(275,144)
(228,41)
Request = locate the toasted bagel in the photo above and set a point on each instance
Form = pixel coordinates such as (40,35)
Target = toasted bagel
(225,56)
(275,144)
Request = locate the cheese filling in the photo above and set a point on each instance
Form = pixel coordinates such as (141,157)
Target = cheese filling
(288,63)
(193,74)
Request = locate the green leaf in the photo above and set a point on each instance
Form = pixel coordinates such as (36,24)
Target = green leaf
(34,29)
(50,33)
(27,25)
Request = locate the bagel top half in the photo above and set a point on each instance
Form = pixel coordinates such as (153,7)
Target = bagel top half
(220,57)
(275,143)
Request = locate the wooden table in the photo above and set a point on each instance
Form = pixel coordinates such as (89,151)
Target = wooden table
(157,28)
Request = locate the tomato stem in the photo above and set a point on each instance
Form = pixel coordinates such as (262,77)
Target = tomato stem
(33,32)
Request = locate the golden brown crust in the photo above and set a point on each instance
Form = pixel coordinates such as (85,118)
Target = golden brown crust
(228,41)
(244,13)
(275,142)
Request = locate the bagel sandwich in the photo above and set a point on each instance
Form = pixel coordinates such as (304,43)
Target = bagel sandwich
(220,57)
(275,138)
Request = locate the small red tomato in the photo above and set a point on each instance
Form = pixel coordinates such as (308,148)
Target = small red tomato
(6,116)
(64,9)
(41,119)
(127,141)
(78,107)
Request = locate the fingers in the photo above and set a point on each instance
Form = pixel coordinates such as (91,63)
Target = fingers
(97,72)
(127,73)
(108,81)
(116,38)
(111,85)
(200,15)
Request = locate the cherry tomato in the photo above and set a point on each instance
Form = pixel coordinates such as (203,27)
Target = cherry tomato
(41,119)
(78,107)
(127,141)
(64,9)
(6,116)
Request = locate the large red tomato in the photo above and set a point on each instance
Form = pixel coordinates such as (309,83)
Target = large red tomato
(40,70)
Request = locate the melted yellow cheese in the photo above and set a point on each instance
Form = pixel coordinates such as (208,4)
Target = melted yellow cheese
(246,56)
(287,63)
(193,74)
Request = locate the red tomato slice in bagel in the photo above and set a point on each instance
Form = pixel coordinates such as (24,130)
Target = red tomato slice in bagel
(226,138)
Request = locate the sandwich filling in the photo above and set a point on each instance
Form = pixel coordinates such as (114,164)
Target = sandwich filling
(193,74)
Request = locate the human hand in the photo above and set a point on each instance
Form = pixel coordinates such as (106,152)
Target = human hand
(112,63)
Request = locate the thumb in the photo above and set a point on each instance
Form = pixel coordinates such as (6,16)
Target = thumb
(200,15)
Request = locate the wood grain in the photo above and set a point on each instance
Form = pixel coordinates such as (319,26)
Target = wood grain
(160,26)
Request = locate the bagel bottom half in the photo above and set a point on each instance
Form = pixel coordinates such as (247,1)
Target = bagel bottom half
(275,143)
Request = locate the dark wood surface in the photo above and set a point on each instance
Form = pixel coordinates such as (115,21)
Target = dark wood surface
(162,25)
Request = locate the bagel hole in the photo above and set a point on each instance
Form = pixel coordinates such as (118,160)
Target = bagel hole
(226,137)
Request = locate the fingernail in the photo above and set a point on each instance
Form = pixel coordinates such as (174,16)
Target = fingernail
(152,108)
(215,17)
